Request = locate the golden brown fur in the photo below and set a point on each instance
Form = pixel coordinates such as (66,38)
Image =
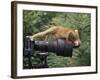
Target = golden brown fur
(68,35)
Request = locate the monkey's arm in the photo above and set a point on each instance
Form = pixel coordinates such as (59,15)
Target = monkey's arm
(46,32)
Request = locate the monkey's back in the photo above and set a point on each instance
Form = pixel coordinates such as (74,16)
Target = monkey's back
(60,32)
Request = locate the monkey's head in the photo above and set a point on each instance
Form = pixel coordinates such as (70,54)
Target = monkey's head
(74,38)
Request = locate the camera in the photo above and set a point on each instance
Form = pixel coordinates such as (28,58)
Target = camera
(58,47)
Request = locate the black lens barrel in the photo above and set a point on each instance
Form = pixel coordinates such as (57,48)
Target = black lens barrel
(59,47)
(64,49)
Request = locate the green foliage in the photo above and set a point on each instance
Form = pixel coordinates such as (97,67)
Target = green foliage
(57,61)
(36,21)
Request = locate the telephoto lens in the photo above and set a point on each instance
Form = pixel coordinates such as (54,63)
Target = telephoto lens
(58,47)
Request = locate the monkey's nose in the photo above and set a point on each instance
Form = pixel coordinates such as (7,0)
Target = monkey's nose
(77,44)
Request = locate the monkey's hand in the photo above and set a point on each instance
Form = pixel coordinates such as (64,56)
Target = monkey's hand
(40,34)
(30,37)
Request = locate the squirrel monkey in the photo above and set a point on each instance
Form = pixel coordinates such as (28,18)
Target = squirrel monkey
(70,36)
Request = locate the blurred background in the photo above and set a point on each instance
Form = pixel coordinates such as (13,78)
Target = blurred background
(37,21)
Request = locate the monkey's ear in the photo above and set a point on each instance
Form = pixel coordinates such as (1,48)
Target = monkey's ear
(71,36)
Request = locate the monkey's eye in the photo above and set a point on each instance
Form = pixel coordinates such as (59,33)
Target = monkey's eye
(71,37)
(63,38)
